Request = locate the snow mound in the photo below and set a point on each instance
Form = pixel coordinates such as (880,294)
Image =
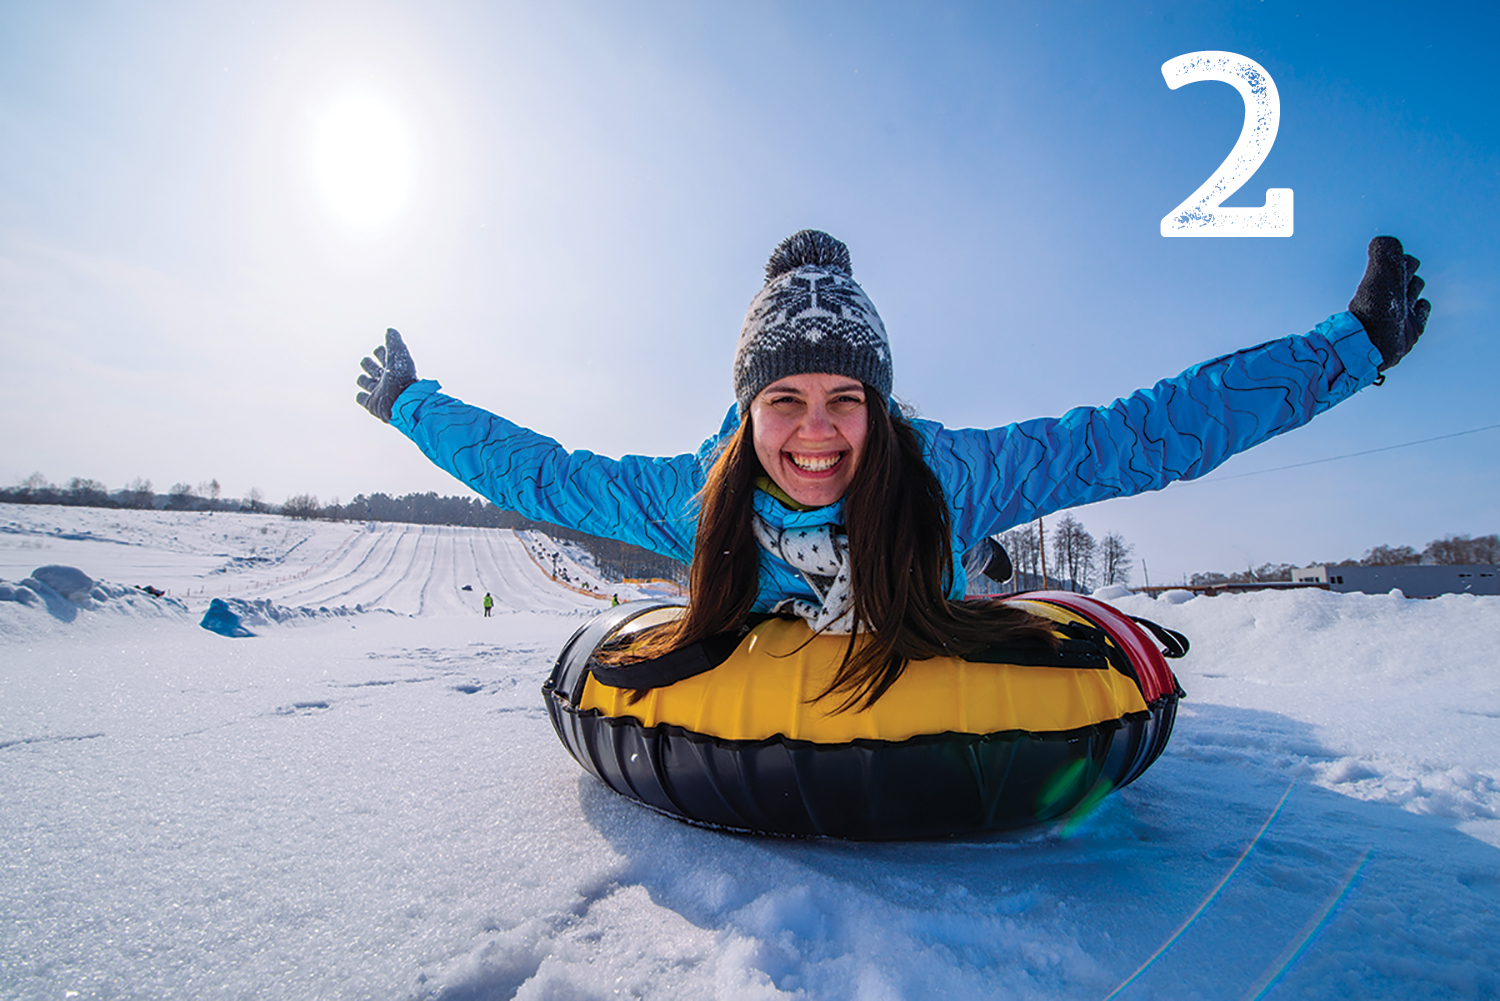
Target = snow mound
(63,592)
(265,612)
(70,582)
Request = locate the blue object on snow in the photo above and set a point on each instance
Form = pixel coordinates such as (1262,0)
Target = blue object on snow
(219,619)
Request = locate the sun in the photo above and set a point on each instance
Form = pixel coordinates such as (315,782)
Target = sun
(363,159)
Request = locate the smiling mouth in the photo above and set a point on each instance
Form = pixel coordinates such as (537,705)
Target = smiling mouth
(816,463)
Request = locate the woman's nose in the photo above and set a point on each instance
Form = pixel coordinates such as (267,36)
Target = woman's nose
(817,422)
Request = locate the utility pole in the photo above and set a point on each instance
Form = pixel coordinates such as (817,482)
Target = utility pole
(1041,544)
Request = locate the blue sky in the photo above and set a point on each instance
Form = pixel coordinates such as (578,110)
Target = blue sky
(590,191)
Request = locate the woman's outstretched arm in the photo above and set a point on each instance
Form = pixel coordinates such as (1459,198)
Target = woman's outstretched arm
(1183,427)
(1178,429)
(648,502)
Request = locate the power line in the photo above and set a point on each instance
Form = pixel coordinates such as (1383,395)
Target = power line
(1351,455)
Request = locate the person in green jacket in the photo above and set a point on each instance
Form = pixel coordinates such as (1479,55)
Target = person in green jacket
(489,603)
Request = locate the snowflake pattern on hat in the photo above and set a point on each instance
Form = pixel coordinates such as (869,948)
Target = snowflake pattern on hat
(813,317)
(810,303)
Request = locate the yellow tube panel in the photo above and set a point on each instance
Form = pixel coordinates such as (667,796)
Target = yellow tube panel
(767,685)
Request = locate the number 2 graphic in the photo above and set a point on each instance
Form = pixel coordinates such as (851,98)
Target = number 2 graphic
(1202,213)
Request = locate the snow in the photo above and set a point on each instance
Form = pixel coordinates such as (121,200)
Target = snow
(366,800)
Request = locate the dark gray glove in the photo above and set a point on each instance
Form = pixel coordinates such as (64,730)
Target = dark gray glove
(386,379)
(1386,301)
(990,559)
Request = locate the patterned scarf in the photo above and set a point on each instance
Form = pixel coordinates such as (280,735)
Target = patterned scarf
(821,555)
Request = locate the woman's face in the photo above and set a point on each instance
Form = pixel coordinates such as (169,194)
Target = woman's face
(809,434)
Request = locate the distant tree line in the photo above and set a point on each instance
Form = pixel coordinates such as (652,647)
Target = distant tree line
(138,493)
(1265,573)
(1077,561)
(1455,550)
(1452,550)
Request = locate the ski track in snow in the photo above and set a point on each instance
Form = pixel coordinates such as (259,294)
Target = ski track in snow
(374,805)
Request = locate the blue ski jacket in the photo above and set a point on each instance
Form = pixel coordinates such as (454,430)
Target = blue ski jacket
(1179,429)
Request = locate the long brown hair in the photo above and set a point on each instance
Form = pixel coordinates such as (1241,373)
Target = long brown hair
(900,561)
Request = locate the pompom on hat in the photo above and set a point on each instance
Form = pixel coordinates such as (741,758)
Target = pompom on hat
(811,316)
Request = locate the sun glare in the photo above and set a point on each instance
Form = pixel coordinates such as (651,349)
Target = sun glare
(362,159)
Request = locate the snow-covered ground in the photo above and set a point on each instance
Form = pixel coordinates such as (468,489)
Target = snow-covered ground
(371,803)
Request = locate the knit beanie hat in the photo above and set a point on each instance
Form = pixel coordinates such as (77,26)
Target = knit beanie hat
(811,316)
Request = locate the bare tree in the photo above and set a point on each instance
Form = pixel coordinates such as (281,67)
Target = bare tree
(1025,552)
(86,493)
(138,493)
(37,489)
(180,497)
(301,506)
(211,490)
(1458,550)
(1390,556)
(1114,559)
(1073,549)
(255,500)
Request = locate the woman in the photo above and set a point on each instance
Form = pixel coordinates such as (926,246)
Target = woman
(819,497)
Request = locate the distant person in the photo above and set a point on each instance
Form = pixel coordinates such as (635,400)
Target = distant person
(614,600)
(820,497)
(489,603)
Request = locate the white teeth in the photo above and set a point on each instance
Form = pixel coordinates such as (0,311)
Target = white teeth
(816,463)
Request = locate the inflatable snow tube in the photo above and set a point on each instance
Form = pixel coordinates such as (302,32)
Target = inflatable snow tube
(726,733)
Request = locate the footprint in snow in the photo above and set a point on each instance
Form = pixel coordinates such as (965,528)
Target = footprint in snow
(301,709)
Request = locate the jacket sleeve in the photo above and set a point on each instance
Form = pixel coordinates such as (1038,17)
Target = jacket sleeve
(648,502)
(1179,429)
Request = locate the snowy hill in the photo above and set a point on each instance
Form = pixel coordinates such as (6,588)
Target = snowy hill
(408,569)
(372,804)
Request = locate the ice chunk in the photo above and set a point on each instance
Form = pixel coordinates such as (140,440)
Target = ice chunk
(219,619)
